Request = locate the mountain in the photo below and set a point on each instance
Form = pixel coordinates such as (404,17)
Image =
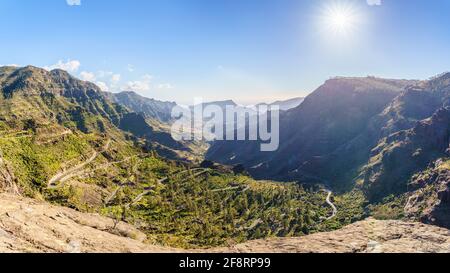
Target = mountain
(57,98)
(428,199)
(221,104)
(285,105)
(400,155)
(150,108)
(33,93)
(388,138)
(63,141)
(330,118)
(415,132)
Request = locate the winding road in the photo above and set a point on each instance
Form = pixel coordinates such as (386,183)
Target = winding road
(335,210)
(65,175)
(161,182)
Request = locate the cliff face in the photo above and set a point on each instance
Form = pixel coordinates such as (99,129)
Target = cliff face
(429,201)
(150,108)
(401,155)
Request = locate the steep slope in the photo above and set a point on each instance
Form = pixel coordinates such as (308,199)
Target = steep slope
(151,108)
(381,136)
(331,117)
(221,104)
(286,104)
(429,196)
(419,101)
(63,141)
(35,95)
(414,134)
(402,154)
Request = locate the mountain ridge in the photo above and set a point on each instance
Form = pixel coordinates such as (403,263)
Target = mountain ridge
(63,141)
(116,163)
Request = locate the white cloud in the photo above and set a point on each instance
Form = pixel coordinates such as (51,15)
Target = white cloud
(69,65)
(87,76)
(115,78)
(374,2)
(147,77)
(73,2)
(13,65)
(107,80)
(102,73)
(165,86)
(103,86)
(130,68)
(139,86)
(114,82)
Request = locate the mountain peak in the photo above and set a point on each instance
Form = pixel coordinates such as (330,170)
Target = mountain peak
(60,73)
(35,80)
(221,103)
(442,76)
(369,83)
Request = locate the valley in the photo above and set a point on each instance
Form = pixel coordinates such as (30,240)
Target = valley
(109,158)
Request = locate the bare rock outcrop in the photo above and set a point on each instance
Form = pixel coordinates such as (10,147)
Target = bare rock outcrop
(7,178)
(369,236)
(27,225)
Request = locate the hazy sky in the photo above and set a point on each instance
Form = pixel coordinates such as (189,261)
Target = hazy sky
(246,50)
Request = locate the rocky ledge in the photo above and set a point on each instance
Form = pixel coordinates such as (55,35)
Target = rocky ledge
(369,236)
(27,225)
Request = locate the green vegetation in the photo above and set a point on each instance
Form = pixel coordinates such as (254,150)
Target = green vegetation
(218,208)
(391,208)
(64,142)
(350,209)
(183,207)
(445,165)
(191,209)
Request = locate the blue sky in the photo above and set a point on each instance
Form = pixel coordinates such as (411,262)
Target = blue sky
(246,50)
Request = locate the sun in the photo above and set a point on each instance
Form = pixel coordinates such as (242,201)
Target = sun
(340,19)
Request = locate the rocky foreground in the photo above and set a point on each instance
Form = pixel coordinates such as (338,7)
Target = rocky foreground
(369,236)
(27,225)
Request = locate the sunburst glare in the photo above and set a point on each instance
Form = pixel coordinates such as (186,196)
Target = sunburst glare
(340,19)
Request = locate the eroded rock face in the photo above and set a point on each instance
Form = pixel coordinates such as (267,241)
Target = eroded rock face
(401,155)
(27,225)
(7,177)
(430,200)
